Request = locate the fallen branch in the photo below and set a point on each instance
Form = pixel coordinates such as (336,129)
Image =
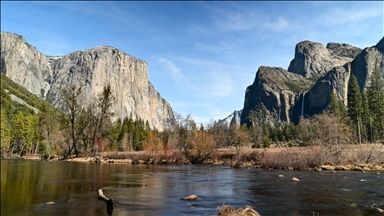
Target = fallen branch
(98,160)
(109,201)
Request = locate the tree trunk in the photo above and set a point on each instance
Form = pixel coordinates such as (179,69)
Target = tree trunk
(358,129)
(22,148)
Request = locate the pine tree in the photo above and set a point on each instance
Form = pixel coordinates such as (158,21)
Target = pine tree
(366,117)
(354,105)
(334,105)
(376,103)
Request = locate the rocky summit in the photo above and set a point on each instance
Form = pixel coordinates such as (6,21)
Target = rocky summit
(305,88)
(47,76)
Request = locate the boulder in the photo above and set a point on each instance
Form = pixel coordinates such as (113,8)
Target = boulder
(190,197)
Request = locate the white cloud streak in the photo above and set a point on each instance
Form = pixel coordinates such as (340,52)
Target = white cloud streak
(336,16)
(173,69)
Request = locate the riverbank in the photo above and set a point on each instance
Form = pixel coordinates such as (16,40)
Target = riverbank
(364,157)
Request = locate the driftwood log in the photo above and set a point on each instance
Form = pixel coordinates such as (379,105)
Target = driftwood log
(109,201)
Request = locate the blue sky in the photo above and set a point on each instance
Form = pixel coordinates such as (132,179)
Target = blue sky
(201,55)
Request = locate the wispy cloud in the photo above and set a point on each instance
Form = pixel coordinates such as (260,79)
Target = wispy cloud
(53,44)
(173,69)
(278,25)
(240,19)
(342,15)
(220,85)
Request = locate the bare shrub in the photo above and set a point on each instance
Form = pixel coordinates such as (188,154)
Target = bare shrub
(153,145)
(227,210)
(203,145)
(367,154)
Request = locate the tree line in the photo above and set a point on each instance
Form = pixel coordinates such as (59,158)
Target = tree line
(87,129)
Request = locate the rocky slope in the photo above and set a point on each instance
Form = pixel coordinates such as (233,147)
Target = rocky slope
(235,117)
(92,69)
(319,70)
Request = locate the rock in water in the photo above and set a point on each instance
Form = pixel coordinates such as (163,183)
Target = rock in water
(190,197)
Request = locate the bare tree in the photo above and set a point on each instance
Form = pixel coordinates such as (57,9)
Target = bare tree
(72,109)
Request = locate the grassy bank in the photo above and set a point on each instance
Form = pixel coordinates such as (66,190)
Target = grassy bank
(346,157)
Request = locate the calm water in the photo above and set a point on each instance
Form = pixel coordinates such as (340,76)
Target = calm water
(156,190)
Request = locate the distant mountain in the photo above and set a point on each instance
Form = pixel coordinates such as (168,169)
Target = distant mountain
(305,88)
(47,76)
(235,117)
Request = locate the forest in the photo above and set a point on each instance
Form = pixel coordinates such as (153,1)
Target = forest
(78,129)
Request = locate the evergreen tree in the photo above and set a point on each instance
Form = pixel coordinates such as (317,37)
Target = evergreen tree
(337,108)
(376,103)
(334,105)
(355,105)
(5,133)
(366,117)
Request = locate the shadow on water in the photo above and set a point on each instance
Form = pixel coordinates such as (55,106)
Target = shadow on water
(157,190)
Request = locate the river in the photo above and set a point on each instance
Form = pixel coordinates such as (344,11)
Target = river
(27,185)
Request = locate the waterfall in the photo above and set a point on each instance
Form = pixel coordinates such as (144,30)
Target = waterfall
(302,106)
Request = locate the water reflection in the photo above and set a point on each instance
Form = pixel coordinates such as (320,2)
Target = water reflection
(157,190)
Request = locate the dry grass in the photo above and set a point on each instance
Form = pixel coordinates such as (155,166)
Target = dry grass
(370,156)
(301,158)
(141,157)
(227,210)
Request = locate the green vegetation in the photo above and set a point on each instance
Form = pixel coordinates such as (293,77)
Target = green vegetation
(376,105)
(299,87)
(22,130)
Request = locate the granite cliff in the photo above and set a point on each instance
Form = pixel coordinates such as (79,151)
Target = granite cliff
(304,89)
(92,69)
(235,117)
(274,91)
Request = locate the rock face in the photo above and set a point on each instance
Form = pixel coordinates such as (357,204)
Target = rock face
(92,69)
(314,60)
(275,91)
(305,89)
(22,63)
(235,117)
(318,98)
(364,63)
